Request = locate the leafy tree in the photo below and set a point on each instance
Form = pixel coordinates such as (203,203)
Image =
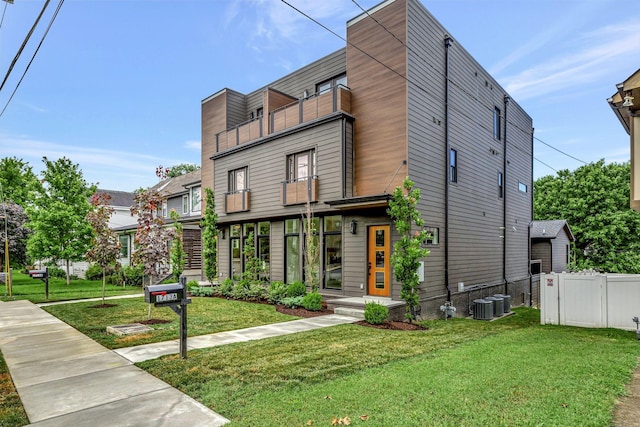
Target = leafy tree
(152,237)
(407,251)
(174,171)
(177,247)
(594,199)
(105,245)
(17,233)
(58,216)
(252,264)
(17,181)
(210,236)
(311,249)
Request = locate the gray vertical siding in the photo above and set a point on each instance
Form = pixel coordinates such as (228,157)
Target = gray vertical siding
(559,244)
(236,108)
(277,250)
(223,256)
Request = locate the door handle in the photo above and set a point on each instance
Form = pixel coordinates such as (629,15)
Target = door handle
(368,269)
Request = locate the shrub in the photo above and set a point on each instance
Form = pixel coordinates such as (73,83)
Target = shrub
(312,301)
(293,302)
(375,313)
(201,291)
(191,283)
(226,288)
(133,276)
(60,273)
(277,291)
(114,279)
(241,290)
(256,291)
(296,289)
(94,272)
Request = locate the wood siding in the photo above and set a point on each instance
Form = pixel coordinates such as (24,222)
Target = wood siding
(214,120)
(379,99)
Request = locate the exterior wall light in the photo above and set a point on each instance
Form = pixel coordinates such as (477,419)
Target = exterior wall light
(353,226)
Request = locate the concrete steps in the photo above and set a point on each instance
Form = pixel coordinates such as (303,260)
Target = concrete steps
(350,311)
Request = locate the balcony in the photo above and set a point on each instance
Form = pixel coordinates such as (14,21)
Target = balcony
(299,191)
(237,201)
(282,117)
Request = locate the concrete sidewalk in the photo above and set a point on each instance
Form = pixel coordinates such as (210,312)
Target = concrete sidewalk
(66,379)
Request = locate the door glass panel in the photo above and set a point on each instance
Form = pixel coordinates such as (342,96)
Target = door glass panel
(380,280)
(379,238)
(236,261)
(379,259)
(333,261)
(293,259)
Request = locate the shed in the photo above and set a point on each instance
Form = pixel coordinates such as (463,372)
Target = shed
(551,245)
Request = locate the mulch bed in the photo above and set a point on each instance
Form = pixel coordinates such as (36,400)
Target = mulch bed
(301,312)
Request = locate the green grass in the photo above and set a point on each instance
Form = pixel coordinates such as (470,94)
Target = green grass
(458,373)
(24,287)
(11,410)
(204,316)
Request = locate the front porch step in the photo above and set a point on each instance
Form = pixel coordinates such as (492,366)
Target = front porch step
(349,311)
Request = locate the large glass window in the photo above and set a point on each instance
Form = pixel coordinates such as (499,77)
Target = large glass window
(238,180)
(196,201)
(332,244)
(301,165)
(124,246)
(292,250)
(236,253)
(314,241)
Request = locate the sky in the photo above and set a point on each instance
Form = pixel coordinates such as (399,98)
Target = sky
(117,85)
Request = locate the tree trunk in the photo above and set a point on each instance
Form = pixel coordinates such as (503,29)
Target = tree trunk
(104,280)
(68,279)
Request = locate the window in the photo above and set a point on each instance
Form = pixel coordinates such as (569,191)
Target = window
(236,258)
(327,85)
(301,165)
(164,209)
(500,187)
(237,180)
(453,166)
(568,254)
(185,204)
(497,123)
(259,112)
(196,201)
(332,245)
(124,246)
(522,187)
(292,250)
(433,237)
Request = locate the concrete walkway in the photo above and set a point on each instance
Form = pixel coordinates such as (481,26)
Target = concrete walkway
(65,378)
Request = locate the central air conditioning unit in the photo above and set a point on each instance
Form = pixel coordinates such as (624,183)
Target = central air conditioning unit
(482,309)
(507,302)
(498,306)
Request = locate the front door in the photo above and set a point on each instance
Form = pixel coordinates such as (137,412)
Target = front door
(379,243)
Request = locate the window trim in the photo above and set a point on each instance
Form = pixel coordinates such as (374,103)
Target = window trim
(497,124)
(185,204)
(453,165)
(293,167)
(232,182)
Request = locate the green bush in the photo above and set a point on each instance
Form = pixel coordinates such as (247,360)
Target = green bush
(201,291)
(296,289)
(277,291)
(191,283)
(241,290)
(94,272)
(256,291)
(226,288)
(133,276)
(60,273)
(292,302)
(114,279)
(312,301)
(375,313)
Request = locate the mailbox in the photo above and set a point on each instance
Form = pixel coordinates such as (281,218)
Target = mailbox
(171,293)
(38,274)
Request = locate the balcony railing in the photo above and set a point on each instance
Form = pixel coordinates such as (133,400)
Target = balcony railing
(299,191)
(290,115)
(237,201)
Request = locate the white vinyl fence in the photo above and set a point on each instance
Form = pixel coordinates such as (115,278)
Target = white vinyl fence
(590,300)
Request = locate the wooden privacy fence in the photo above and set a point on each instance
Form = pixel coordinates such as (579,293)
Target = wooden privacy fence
(590,300)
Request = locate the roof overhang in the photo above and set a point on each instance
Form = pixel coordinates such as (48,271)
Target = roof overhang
(629,88)
(377,201)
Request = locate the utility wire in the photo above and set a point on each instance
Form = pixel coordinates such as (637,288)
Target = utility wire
(53,18)
(540,161)
(558,150)
(24,43)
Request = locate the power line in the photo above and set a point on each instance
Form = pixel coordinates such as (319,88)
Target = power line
(558,150)
(540,161)
(53,18)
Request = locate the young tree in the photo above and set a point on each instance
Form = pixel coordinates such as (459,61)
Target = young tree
(105,245)
(594,200)
(58,216)
(210,236)
(252,264)
(408,251)
(311,249)
(152,237)
(17,233)
(177,247)
(17,181)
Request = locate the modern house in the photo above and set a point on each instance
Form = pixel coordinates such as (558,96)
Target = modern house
(401,99)
(551,246)
(625,103)
(181,194)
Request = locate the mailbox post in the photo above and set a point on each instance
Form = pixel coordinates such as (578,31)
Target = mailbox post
(172,295)
(44,276)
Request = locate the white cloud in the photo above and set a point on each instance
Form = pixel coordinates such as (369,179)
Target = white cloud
(601,50)
(193,145)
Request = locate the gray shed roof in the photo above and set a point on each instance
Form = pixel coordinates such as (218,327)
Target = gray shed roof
(550,229)
(119,198)
(177,185)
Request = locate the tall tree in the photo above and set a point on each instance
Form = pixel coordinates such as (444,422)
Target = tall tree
(58,216)
(177,247)
(174,171)
(408,251)
(152,237)
(17,233)
(210,236)
(18,183)
(105,245)
(594,199)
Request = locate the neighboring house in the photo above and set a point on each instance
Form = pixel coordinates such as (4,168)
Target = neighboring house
(183,195)
(625,103)
(551,245)
(343,132)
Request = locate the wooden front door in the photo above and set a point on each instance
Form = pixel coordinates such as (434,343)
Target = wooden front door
(378,265)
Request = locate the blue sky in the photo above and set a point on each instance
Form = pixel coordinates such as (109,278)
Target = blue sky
(117,84)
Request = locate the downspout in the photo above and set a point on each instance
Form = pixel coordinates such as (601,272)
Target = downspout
(504,199)
(529,231)
(344,158)
(447,45)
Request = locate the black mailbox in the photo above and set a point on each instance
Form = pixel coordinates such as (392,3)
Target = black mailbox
(171,293)
(38,274)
